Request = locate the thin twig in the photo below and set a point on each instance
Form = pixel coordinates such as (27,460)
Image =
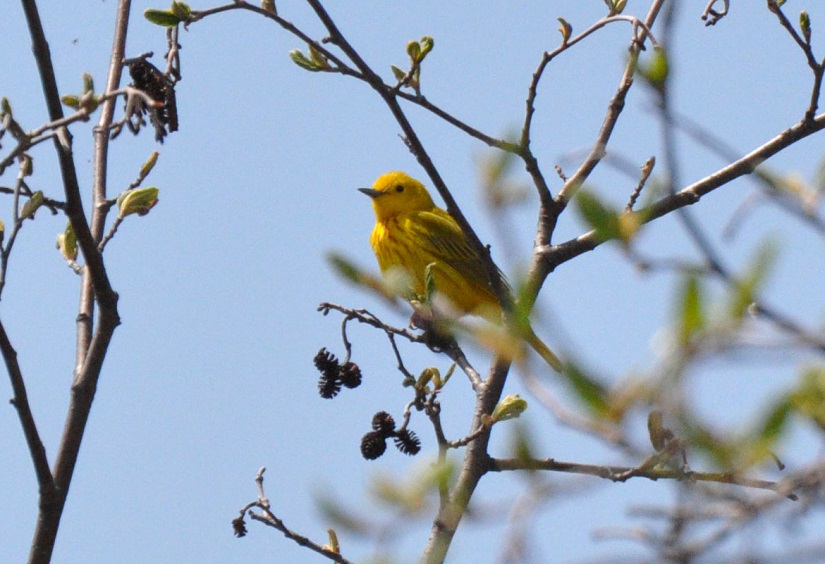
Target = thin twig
(268,518)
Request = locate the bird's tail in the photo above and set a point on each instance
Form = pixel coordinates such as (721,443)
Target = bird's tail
(543,350)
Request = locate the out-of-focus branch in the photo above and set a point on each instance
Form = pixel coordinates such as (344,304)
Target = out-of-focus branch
(646,470)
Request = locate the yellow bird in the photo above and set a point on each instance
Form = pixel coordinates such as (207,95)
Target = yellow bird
(412,233)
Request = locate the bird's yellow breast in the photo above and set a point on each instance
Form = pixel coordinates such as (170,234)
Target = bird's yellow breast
(403,257)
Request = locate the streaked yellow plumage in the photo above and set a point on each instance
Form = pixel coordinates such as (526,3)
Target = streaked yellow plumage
(411,232)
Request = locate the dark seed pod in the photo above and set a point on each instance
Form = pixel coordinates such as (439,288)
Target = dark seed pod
(373,445)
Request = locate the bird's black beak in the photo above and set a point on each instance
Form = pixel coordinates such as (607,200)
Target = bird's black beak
(370,192)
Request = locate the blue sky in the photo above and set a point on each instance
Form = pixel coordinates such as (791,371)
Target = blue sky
(210,375)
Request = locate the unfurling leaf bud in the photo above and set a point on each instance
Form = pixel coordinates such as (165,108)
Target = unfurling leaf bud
(71,100)
(318,58)
(30,207)
(427,45)
(163,18)
(805,24)
(510,407)
(67,243)
(333,544)
(147,167)
(26,166)
(139,201)
(182,11)
(316,62)
(398,73)
(414,50)
(88,83)
(566,30)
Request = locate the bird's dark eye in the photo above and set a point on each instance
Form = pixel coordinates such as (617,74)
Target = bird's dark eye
(399,188)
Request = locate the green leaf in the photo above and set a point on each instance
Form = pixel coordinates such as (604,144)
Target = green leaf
(163,18)
(692,314)
(5,107)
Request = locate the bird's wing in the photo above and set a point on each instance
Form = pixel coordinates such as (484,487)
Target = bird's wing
(442,238)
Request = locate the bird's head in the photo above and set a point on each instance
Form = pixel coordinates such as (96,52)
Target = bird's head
(396,192)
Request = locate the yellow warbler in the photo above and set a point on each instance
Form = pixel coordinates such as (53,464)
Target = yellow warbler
(411,234)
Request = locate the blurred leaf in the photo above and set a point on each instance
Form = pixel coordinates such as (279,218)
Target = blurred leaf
(775,422)
(358,276)
(809,397)
(745,289)
(522,443)
(341,517)
(429,283)
(719,450)
(656,70)
(412,495)
(591,392)
(819,176)
(692,314)
(598,215)
(658,433)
